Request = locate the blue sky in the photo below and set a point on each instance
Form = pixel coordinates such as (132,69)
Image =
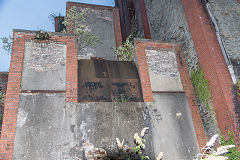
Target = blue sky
(31,15)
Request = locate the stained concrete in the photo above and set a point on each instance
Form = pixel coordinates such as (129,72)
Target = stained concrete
(48,128)
(44,66)
(100,23)
(163,70)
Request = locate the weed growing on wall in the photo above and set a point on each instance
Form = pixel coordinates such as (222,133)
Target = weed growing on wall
(238,87)
(201,86)
(125,52)
(41,35)
(137,152)
(74,21)
(7,44)
(208,152)
(233,153)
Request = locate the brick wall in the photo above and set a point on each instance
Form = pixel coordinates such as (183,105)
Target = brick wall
(14,84)
(141,60)
(213,64)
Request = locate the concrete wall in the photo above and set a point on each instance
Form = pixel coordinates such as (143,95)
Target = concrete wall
(168,23)
(48,128)
(100,22)
(163,70)
(44,66)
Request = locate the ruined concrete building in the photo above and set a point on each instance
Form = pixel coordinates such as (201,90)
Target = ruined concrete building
(61,100)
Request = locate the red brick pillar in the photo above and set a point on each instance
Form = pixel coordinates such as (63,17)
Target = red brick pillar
(213,64)
(185,79)
(145,22)
(117,27)
(12,98)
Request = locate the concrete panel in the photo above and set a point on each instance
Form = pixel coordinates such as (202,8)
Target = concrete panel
(100,22)
(50,129)
(163,70)
(173,132)
(44,66)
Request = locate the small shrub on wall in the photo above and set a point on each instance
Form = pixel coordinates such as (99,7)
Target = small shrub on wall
(125,52)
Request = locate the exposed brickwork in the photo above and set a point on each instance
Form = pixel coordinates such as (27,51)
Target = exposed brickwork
(144,17)
(184,74)
(213,64)
(14,85)
(143,72)
(117,27)
(119,4)
(58,23)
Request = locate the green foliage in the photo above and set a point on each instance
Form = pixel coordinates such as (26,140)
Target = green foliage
(133,153)
(7,44)
(41,35)
(238,87)
(125,52)
(201,86)
(233,154)
(123,98)
(74,21)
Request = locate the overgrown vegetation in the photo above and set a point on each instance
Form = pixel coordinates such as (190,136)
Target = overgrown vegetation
(227,150)
(74,22)
(233,153)
(125,52)
(7,44)
(201,86)
(41,35)
(2,101)
(137,152)
(238,87)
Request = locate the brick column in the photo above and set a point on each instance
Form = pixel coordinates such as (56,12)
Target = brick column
(117,27)
(12,98)
(143,72)
(185,78)
(213,64)
(145,22)
(72,70)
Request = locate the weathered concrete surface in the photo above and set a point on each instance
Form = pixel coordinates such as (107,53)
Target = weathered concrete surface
(44,66)
(173,133)
(163,70)
(227,14)
(50,129)
(100,23)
